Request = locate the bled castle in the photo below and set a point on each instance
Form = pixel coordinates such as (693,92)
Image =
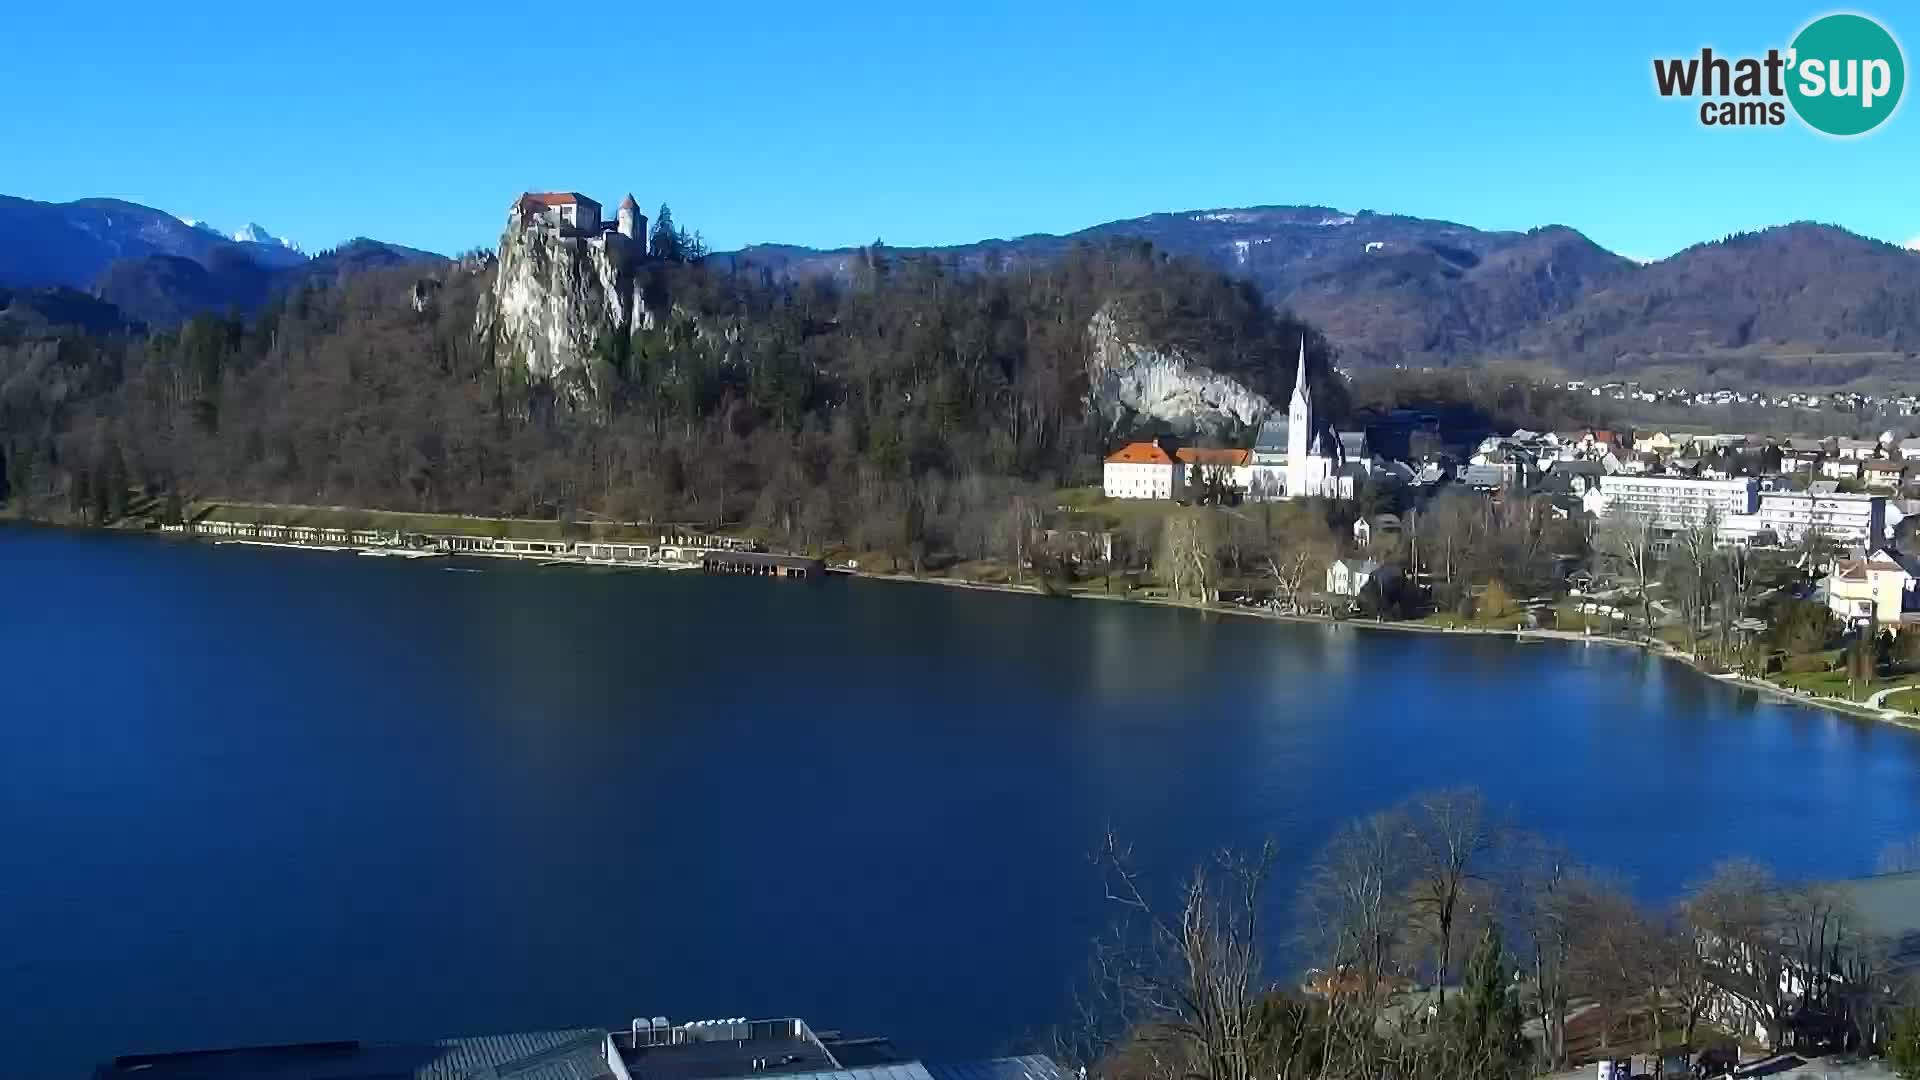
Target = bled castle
(566,286)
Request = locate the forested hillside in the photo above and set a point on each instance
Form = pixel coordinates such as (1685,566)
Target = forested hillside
(910,397)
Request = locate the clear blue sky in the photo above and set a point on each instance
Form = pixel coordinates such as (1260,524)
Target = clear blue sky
(832,124)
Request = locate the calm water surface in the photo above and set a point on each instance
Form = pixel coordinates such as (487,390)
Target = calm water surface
(250,795)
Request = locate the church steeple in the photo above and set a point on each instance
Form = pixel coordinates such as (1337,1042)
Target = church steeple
(1301,437)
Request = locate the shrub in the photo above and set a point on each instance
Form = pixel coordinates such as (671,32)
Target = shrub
(1903,1049)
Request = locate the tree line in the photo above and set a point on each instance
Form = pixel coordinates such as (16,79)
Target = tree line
(1438,941)
(904,407)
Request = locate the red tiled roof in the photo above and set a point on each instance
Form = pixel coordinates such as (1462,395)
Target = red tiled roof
(557,198)
(1195,455)
(1139,453)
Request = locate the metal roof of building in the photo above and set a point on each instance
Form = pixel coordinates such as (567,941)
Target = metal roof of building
(571,1054)
(1030,1067)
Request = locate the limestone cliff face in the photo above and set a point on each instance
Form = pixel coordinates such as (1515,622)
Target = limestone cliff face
(1129,382)
(554,295)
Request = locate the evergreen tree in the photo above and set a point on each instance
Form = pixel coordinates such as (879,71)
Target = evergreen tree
(1486,1017)
(665,242)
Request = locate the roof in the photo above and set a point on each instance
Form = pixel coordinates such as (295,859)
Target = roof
(557,198)
(1273,435)
(1578,467)
(569,1054)
(1139,453)
(1030,1067)
(628,203)
(1196,455)
(1362,567)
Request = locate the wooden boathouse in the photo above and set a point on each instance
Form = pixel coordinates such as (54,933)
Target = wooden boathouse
(760,564)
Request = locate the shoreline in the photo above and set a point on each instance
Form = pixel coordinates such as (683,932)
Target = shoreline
(1853,710)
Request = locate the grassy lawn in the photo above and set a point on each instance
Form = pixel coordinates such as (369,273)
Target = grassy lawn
(1451,620)
(1092,504)
(1907,701)
(1834,683)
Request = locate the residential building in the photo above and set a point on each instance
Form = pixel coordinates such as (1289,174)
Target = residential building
(1851,521)
(1347,577)
(1142,470)
(1886,475)
(1675,502)
(1381,527)
(1879,586)
(1839,468)
(1857,449)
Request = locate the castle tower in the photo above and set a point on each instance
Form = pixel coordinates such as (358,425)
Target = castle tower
(1302,464)
(632,222)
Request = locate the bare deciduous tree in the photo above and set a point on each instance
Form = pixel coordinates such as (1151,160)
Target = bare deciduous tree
(1627,538)
(1448,831)
(1188,980)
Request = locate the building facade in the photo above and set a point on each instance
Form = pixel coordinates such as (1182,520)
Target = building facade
(1677,502)
(1849,520)
(1142,470)
(1879,587)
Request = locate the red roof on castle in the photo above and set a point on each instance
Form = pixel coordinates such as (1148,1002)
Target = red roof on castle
(628,203)
(556,198)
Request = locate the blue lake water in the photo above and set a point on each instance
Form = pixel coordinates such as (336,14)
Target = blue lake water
(250,795)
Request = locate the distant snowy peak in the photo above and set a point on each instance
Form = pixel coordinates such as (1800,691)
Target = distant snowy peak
(254,234)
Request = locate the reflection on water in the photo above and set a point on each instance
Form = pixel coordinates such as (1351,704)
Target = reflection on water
(359,797)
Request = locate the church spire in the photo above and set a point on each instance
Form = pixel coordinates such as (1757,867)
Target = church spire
(1302,396)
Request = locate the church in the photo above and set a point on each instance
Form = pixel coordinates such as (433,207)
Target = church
(1294,457)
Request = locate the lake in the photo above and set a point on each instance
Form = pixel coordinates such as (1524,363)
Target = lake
(250,795)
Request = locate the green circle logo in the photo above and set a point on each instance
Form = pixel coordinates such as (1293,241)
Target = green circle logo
(1846,76)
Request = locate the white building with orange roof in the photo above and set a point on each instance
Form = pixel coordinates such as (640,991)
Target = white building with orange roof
(1143,470)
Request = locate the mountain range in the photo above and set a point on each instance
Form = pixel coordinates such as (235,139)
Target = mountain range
(1797,304)
(1803,303)
(156,268)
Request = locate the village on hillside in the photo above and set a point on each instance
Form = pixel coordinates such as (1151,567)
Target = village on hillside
(1791,558)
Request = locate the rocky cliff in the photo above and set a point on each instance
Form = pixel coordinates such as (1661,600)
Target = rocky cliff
(555,296)
(1130,384)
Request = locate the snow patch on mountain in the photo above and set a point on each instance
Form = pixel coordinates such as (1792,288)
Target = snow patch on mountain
(254,233)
